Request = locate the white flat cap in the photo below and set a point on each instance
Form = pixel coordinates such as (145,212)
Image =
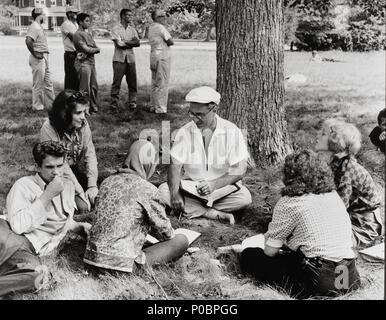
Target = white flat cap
(203,95)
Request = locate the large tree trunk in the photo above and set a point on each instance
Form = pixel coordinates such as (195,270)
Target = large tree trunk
(250,73)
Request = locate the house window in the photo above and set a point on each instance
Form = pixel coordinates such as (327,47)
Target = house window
(53,3)
(39,3)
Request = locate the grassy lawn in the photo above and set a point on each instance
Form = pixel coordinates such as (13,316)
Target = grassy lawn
(353,89)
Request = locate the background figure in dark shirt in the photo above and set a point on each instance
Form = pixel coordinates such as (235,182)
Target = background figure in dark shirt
(378,135)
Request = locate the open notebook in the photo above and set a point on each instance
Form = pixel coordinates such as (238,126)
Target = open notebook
(190,188)
(190,234)
(257,241)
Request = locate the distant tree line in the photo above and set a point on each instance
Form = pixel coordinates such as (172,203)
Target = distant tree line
(348,25)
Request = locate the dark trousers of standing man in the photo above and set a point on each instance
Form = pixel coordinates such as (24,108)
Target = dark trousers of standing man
(20,267)
(70,75)
(122,69)
(88,82)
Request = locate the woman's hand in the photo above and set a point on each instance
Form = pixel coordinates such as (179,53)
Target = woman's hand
(91,194)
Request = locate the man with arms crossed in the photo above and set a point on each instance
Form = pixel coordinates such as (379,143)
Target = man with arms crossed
(160,42)
(213,152)
(40,211)
(125,38)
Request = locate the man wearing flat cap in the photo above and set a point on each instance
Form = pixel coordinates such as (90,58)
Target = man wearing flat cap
(160,41)
(68,28)
(36,41)
(213,153)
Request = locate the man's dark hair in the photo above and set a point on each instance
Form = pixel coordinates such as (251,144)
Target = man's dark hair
(81,17)
(35,14)
(64,104)
(305,172)
(381,115)
(123,12)
(48,148)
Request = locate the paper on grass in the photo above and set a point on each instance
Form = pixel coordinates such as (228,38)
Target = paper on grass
(377,251)
(190,234)
(257,241)
(191,187)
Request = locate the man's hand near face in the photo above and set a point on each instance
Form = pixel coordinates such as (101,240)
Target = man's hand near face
(53,189)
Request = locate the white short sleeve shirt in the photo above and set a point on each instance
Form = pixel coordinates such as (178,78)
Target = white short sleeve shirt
(66,28)
(158,35)
(226,148)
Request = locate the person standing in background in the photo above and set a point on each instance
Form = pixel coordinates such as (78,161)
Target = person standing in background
(125,38)
(36,41)
(86,48)
(68,28)
(160,41)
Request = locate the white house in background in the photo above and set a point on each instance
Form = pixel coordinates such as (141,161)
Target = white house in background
(55,12)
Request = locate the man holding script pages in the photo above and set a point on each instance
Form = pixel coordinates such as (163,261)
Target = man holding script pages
(213,153)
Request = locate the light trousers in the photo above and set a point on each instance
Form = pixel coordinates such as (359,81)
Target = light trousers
(42,87)
(160,75)
(195,208)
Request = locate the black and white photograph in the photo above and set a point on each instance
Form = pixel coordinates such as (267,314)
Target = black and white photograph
(192,156)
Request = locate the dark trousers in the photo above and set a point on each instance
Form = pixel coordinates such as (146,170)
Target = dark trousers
(302,277)
(70,75)
(19,264)
(88,82)
(120,70)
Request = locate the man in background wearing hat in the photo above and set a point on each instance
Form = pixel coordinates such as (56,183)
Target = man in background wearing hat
(160,41)
(213,153)
(125,38)
(36,41)
(68,29)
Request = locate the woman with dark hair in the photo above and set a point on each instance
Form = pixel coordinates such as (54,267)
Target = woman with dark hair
(67,124)
(312,221)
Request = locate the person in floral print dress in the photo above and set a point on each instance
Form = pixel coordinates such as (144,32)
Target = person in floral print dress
(128,207)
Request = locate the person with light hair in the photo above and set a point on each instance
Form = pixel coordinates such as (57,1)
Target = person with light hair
(354,183)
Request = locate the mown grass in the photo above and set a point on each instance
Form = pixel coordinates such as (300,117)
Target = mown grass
(353,90)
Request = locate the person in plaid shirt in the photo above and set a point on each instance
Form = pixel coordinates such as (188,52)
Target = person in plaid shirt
(354,183)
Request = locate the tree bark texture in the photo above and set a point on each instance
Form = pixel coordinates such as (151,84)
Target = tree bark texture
(250,74)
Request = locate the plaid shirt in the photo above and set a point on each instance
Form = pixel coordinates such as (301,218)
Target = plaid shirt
(317,224)
(355,185)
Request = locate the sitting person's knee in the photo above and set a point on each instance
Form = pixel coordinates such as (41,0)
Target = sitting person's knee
(245,198)
(181,242)
(81,205)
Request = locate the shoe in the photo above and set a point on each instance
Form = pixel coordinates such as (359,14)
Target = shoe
(132,106)
(38,108)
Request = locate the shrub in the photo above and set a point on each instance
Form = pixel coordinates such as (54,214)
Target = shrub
(366,37)
(312,33)
(6,25)
(340,39)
